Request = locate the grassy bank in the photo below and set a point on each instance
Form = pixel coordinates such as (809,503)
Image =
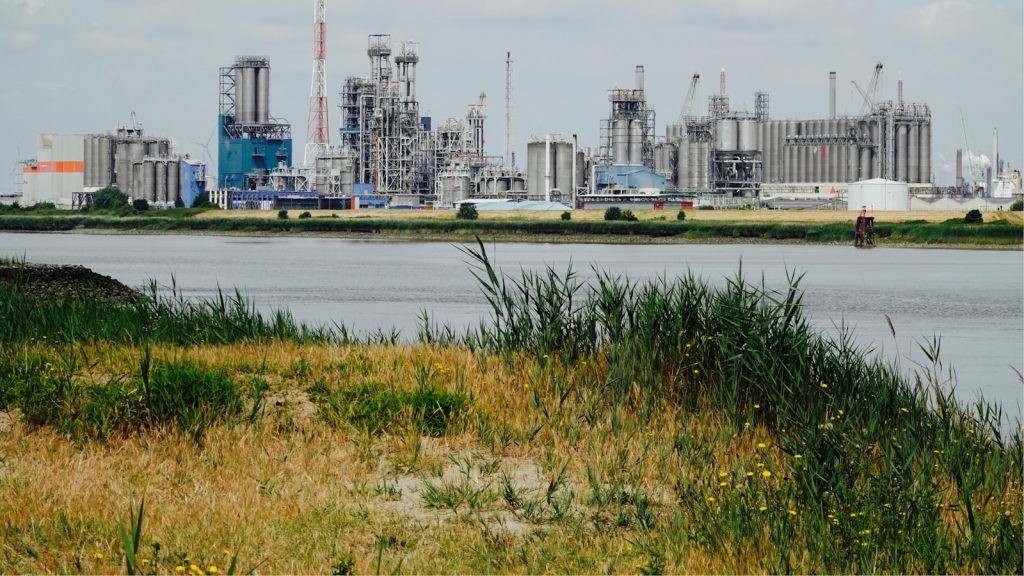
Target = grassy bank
(663,427)
(997,233)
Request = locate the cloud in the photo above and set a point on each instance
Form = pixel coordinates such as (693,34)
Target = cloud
(945,19)
(29,7)
(20,39)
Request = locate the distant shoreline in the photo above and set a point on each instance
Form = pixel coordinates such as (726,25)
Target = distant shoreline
(999,235)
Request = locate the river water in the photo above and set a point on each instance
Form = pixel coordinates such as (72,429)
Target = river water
(972,299)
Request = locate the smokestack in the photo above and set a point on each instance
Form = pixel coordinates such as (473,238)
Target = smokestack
(959,170)
(995,153)
(831,94)
(721,83)
(640,78)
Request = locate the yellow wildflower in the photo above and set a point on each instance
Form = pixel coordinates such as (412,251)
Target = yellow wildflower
(179,568)
(797,456)
(212,569)
(762,508)
(824,386)
(750,474)
(723,483)
(761,445)
(792,512)
(723,474)
(711,498)
(99,556)
(766,474)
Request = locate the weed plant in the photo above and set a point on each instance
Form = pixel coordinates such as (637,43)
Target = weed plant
(879,471)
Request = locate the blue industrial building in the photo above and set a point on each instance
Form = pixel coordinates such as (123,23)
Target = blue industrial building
(251,142)
(193,181)
(628,177)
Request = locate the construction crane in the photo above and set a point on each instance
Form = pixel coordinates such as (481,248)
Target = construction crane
(976,176)
(871,94)
(691,96)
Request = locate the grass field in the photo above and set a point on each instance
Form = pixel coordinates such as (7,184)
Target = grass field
(614,427)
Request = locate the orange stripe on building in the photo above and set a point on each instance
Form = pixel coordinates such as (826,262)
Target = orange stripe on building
(58,166)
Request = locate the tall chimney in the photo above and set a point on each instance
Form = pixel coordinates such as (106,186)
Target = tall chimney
(640,78)
(995,153)
(831,94)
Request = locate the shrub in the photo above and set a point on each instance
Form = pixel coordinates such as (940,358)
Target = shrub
(282,214)
(1017,206)
(467,211)
(109,197)
(566,215)
(973,217)
(140,205)
(681,216)
(305,215)
(203,201)
(615,213)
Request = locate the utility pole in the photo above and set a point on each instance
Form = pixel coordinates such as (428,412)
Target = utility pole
(317,131)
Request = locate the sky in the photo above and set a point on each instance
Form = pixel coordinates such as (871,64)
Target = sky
(76,66)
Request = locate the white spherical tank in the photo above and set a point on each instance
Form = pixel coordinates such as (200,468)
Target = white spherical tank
(878,195)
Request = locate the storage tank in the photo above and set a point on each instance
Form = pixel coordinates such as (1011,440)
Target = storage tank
(913,154)
(518,183)
(453,185)
(702,162)
(245,95)
(535,167)
(161,180)
(693,171)
(747,130)
(726,135)
(138,181)
(878,195)
(502,185)
(173,181)
(926,152)
(662,159)
(262,76)
(148,181)
(105,172)
(620,141)
(562,166)
(122,166)
(901,152)
(636,142)
(683,164)
(89,154)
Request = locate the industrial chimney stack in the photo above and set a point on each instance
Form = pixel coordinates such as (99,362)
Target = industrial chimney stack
(832,95)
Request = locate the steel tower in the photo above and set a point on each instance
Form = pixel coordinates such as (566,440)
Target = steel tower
(317,131)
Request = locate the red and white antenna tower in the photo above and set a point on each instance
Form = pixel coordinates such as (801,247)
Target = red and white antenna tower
(317,130)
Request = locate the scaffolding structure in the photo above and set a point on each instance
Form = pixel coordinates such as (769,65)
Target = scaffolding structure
(630,124)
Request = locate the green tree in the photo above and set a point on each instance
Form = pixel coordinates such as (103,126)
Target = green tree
(141,204)
(681,216)
(282,214)
(467,211)
(108,198)
(613,213)
(1017,206)
(566,215)
(973,217)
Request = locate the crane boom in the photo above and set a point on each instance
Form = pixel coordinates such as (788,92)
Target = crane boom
(867,101)
(872,91)
(691,96)
(967,148)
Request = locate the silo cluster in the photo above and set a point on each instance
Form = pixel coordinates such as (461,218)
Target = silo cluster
(550,167)
(252,90)
(627,141)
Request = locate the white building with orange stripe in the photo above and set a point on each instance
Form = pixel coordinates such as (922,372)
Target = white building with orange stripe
(57,172)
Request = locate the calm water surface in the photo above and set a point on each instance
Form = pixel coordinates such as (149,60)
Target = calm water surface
(973,299)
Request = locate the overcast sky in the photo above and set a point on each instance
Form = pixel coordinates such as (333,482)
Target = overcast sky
(75,66)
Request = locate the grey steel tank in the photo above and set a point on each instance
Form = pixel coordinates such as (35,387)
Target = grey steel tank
(518,183)
(245,95)
(913,154)
(535,167)
(502,185)
(122,169)
(693,171)
(683,164)
(173,180)
(262,76)
(138,173)
(161,180)
(636,143)
(88,153)
(726,135)
(747,135)
(902,144)
(148,181)
(105,175)
(620,141)
(926,151)
(562,152)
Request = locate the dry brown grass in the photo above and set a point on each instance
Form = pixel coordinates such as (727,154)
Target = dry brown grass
(294,495)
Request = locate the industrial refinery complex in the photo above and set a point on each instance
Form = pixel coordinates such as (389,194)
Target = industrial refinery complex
(383,153)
